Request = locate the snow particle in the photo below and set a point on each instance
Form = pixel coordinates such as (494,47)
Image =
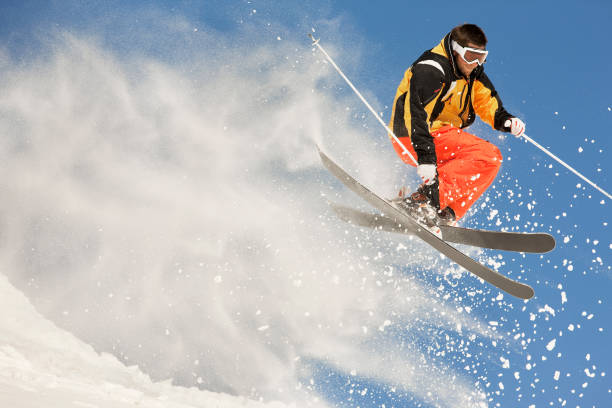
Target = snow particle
(547,309)
(505,362)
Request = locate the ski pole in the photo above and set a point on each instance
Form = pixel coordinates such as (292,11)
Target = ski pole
(570,168)
(331,61)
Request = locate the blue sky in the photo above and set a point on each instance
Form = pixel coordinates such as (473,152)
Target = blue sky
(551,65)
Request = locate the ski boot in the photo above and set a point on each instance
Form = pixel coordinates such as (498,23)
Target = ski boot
(446,216)
(420,207)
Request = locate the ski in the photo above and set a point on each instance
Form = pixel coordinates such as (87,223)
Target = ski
(506,241)
(510,286)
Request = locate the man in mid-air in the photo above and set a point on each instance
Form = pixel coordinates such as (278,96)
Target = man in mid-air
(438,97)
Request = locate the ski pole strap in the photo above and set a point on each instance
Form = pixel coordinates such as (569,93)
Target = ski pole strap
(331,61)
(570,168)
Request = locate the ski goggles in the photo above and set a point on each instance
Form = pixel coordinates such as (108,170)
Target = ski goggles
(469,54)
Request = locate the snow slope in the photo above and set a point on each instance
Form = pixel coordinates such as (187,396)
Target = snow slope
(44,366)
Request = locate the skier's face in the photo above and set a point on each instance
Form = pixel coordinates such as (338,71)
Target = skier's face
(466,68)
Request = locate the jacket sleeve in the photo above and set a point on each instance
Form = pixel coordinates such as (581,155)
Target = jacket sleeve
(426,83)
(488,104)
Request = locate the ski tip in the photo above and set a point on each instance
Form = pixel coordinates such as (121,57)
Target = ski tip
(542,243)
(344,213)
(520,290)
(319,151)
(550,243)
(322,155)
(328,163)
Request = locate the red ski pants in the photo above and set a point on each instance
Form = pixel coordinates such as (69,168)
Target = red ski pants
(467,165)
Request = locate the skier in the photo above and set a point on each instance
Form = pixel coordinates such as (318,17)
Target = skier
(438,97)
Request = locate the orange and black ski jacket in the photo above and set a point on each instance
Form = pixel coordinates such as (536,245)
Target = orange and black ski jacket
(434,93)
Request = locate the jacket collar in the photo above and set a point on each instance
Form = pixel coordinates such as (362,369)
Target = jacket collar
(448,50)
